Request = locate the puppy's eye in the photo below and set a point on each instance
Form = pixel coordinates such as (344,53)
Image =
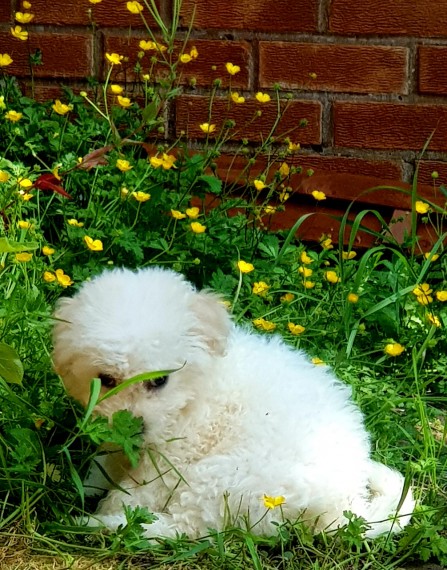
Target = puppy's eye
(107,381)
(157,383)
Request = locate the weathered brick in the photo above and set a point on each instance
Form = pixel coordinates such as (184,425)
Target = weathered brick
(426,167)
(191,111)
(256,15)
(209,65)
(63,55)
(338,67)
(421,18)
(389,125)
(432,64)
(5,11)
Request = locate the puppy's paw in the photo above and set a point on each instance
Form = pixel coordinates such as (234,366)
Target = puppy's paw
(108,522)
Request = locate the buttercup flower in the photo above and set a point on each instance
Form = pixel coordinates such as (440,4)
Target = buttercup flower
(194,53)
(49,277)
(124,101)
(441,296)
(287,298)
(423,293)
(273,502)
(295,329)
(431,256)
(2,102)
(185,58)
(177,215)
(95,1)
(24,182)
(19,33)
(141,196)
(421,207)
(318,195)
(284,169)
(23,257)
(348,254)
(332,277)
(24,225)
(93,244)
(394,349)
(168,161)
(24,17)
(284,195)
(232,69)
(326,243)
(61,108)
(147,45)
(25,196)
(317,361)
(47,250)
(207,128)
(305,271)
(264,325)
(245,267)
(262,97)
(123,165)
(258,184)
(63,279)
(353,298)
(269,210)
(73,222)
(433,319)
(193,212)
(197,227)
(236,98)
(134,7)
(13,116)
(26,4)
(260,288)
(116,89)
(4,176)
(292,147)
(304,258)
(308,284)
(114,58)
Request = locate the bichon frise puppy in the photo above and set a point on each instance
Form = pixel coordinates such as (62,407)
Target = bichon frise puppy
(243,420)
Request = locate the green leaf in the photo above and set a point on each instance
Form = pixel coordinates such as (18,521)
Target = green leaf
(8,246)
(11,367)
(150,112)
(214,184)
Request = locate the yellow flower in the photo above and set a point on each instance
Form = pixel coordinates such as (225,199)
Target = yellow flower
(245,267)
(292,147)
(431,256)
(2,102)
(259,184)
(236,98)
(305,271)
(332,277)
(62,278)
(146,76)
(349,254)
(441,296)
(207,128)
(262,97)
(273,502)
(232,69)
(25,196)
(269,210)
(23,257)
(61,108)
(75,223)
(19,33)
(177,215)
(185,58)
(264,325)
(284,195)
(4,176)
(123,165)
(295,329)
(24,225)
(287,298)
(394,349)
(114,58)
(95,1)
(260,288)
(116,89)
(434,320)
(304,258)
(47,250)
(423,293)
(147,45)
(326,243)
(284,169)
(93,244)
(317,361)
(193,212)
(49,277)
(353,298)
(197,227)
(13,116)
(24,183)
(134,7)
(318,195)
(194,53)
(124,192)
(141,196)
(168,161)
(124,101)
(24,17)
(312,75)
(26,5)
(421,207)
(308,284)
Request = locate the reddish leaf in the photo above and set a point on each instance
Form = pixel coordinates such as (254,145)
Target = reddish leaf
(50,182)
(95,158)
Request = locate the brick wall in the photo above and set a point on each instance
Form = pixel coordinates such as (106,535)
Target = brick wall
(370,78)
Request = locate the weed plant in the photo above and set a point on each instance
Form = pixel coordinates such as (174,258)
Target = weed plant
(93,182)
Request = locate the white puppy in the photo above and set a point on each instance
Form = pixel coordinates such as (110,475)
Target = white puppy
(243,415)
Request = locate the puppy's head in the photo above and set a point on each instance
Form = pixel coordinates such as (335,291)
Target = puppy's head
(124,323)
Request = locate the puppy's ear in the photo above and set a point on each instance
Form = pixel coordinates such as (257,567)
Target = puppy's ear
(213,323)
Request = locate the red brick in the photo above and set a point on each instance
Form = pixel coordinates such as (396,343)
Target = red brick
(426,167)
(339,67)
(256,15)
(81,12)
(421,18)
(5,11)
(389,125)
(63,56)
(432,65)
(191,111)
(210,64)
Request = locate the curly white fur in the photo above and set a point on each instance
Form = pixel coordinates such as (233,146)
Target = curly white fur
(243,416)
